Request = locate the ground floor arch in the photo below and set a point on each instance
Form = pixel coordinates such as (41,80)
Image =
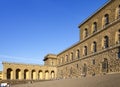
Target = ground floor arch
(26,74)
(18,74)
(9,73)
(52,75)
(40,75)
(33,75)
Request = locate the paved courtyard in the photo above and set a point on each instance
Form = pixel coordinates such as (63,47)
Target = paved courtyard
(97,81)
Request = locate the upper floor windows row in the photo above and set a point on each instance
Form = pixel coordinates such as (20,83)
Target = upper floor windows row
(105,22)
(105,43)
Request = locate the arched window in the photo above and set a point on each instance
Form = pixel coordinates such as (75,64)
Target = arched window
(78,53)
(106,42)
(85,50)
(105,65)
(94,46)
(117,14)
(117,37)
(94,27)
(85,32)
(66,58)
(84,70)
(71,56)
(106,19)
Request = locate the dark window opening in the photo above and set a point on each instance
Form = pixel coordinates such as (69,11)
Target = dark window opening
(94,47)
(106,19)
(118,36)
(119,12)
(86,32)
(77,66)
(93,62)
(106,42)
(94,27)
(119,52)
(78,54)
(71,56)
(85,50)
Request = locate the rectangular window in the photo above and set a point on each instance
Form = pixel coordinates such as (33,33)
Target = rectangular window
(119,52)
(93,62)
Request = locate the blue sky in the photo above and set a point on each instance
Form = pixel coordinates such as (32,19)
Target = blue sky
(30,29)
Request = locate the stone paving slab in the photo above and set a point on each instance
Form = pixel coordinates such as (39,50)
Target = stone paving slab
(112,80)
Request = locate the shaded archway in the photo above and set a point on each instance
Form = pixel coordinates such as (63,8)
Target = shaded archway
(52,75)
(46,74)
(9,73)
(40,74)
(18,74)
(33,75)
(26,74)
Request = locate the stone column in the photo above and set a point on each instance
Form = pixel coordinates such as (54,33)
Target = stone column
(13,74)
(30,77)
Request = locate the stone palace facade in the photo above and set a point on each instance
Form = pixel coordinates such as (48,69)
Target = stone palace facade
(97,52)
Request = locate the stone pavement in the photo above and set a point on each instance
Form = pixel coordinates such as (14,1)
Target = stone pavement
(112,80)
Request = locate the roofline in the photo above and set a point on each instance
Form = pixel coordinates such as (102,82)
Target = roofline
(83,23)
(45,58)
(5,62)
(77,43)
(106,3)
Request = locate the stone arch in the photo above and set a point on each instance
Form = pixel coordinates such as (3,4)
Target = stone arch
(52,74)
(18,74)
(9,73)
(26,74)
(46,74)
(33,74)
(40,74)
